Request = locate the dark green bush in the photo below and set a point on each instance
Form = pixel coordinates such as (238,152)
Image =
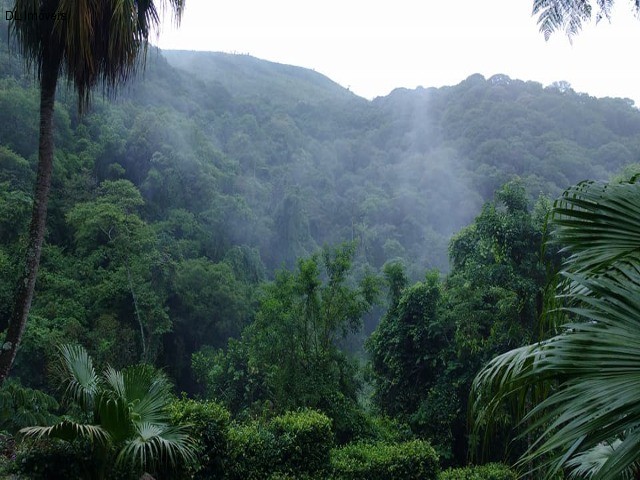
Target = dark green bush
(22,407)
(350,421)
(305,439)
(50,459)
(490,471)
(385,429)
(383,461)
(296,443)
(209,423)
(253,452)
(7,455)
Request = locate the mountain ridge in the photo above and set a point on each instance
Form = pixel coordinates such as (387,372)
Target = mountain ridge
(246,75)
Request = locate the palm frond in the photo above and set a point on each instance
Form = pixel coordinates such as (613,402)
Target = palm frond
(96,41)
(114,415)
(78,375)
(156,444)
(130,413)
(604,12)
(148,391)
(596,363)
(588,463)
(570,15)
(114,382)
(135,395)
(599,225)
(593,366)
(69,431)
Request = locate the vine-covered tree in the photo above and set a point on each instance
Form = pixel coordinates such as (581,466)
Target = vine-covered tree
(406,346)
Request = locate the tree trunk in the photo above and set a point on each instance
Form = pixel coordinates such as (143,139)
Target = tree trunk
(26,285)
(137,312)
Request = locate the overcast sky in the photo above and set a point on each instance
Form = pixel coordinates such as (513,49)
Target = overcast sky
(374,46)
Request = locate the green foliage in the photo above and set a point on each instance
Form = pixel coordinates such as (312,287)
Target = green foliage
(556,379)
(39,346)
(387,430)
(440,417)
(251,170)
(227,376)
(380,461)
(405,348)
(288,356)
(293,444)
(208,424)
(21,406)
(52,459)
(498,274)
(213,304)
(254,452)
(14,208)
(124,416)
(435,334)
(353,423)
(305,439)
(171,206)
(122,251)
(8,465)
(491,471)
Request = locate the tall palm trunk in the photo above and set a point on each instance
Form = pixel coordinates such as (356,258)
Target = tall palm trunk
(27,281)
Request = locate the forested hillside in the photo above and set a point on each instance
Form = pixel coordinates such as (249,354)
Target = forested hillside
(229,167)
(242,224)
(298,161)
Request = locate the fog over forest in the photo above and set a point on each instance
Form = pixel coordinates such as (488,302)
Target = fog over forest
(266,163)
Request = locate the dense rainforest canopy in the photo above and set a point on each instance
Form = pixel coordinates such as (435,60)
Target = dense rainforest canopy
(275,243)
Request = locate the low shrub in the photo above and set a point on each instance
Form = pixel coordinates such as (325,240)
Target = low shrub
(387,430)
(253,452)
(305,440)
(51,459)
(415,459)
(490,471)
(295,444)
(209,423)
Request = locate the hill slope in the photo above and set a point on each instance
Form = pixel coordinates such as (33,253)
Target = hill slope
(247,76)
(299,161)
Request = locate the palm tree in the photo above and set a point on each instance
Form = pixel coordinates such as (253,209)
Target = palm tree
(127,411)
(90,43)
(569,15)
(586,378)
